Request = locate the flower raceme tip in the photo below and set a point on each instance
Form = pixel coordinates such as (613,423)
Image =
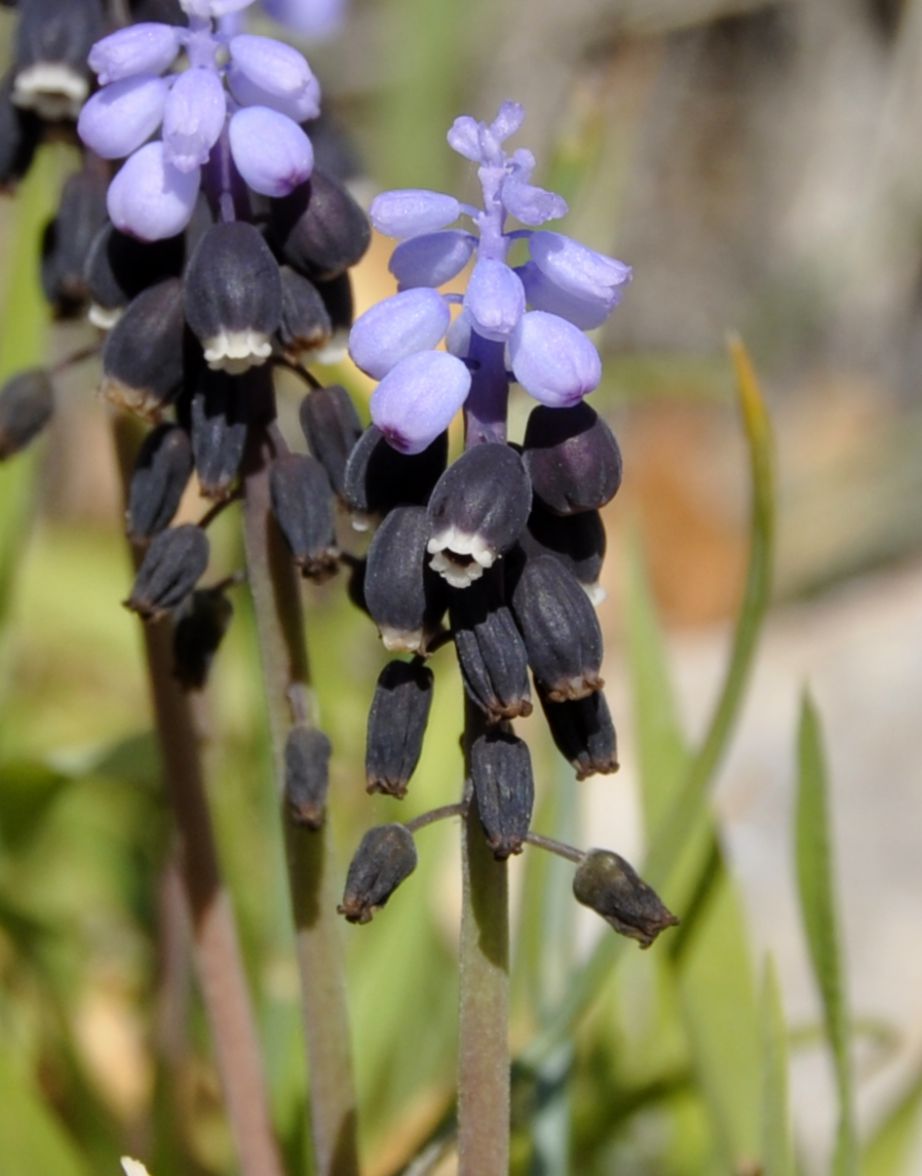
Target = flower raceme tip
(536,311)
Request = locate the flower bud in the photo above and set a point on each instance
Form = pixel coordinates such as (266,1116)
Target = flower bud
(572,458)
(169,571)
(233,296)
(161,472)
(407,212)
(26,405)
(118,268)
(146,48)
(218,425)
(143,358)
(378,478)
(386,856)
(319,229)
(307,776)
(302,503)
(201,622)
(583,732)
(553,360)
(52,43)
(578,541)
(560,629)
(401,595)
(504,788)
(491,653)
(477,510)
(610,886)
(415,320)
(331,427)
(419,397)
(305,324)
(431,259)
(271,151)
(396,725)
(67,240)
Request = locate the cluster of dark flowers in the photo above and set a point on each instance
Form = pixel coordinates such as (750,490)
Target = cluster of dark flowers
(219,251)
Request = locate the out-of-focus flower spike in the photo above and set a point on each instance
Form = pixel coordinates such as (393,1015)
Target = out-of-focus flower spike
(149,198)
(26,406)
(431,259)
(120,117)
(193,118)
(271,152)
(307,776)
(553,360)
(406,212)
(213,8)
(68,238)
(265,72)
(145,48)
(401,325)
(52,43)
(418,398)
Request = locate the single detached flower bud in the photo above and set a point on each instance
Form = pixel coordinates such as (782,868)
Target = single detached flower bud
(302,503)
(478,509)
(161,471)
(201,622)
(319,229)
(26,405)
(233,296)
(331,427)
(218,425)
(560,629)
(583,733)
(143,358)
(384,859)
(307,776)
(169,571)
(578,541)
(396,725)
(572,458)
(504,788)
(378,478)
(400,594)
(609,885)
(118,267)
(67,240)
(305,324)
(491,653)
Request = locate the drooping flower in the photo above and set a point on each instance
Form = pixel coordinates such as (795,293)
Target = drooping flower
(536,312)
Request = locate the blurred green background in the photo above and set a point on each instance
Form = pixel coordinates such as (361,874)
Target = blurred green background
(757,164)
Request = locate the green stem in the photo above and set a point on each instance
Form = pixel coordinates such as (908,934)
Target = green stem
(218,961)
(483,1053)
(275,589)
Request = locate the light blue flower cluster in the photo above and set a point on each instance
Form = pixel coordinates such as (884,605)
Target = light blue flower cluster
(238,106)
(527,318)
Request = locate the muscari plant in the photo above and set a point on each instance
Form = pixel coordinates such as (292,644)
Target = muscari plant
(217,254)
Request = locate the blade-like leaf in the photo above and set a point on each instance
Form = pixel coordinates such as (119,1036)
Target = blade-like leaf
(818,911)
(777,1152)
(890,1148)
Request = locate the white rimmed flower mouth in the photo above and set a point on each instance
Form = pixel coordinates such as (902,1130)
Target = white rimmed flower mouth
(237,351)
(459,557)
(52,89)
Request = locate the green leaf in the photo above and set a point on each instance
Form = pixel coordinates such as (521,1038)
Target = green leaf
(31,1139)
(28,789)
(890,1148)
(777,1152)
(818,911)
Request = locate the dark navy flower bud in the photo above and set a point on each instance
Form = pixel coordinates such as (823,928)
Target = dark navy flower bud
(560,629)
(583,732)
(396,725)
(504,788)
(610,886)
(307,776)
(218,425)
(119,267)
(161,472)
(477,510)
(201,622)
(386,856)
(572,458)
(67,240)
(491,653)
(26,405)
(52,44)
(302,503)
(401,595)
(143,358)
(305,324)
(169,571)
(340,306)
(331,427)
(378,478)
(20,131)
(319,229)
(577,540)
(233,296)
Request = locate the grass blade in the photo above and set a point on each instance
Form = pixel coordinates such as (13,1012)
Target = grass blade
(890,1148)
(777,1151)
(818,911)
